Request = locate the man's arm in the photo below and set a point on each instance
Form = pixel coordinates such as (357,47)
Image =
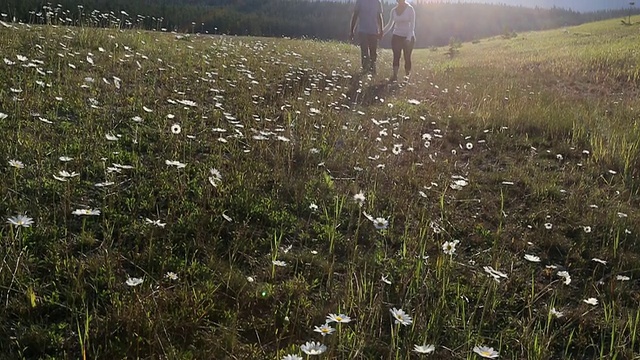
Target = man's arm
(380,21)
(390,23)
(354,20)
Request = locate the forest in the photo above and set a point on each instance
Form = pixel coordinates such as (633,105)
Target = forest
(438,24)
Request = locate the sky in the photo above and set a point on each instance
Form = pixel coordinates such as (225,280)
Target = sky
(577,5)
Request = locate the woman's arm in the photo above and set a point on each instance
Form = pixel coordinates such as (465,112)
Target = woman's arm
(392,21)
(412,24)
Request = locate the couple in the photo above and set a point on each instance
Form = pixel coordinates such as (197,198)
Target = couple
(368,16)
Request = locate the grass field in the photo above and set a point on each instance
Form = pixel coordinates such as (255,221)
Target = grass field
(191,197)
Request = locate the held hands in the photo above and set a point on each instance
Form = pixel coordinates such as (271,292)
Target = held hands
(380,35)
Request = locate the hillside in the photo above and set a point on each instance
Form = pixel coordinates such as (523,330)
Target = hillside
(193,196)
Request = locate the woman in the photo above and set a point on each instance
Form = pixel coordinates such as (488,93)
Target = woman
(403,21)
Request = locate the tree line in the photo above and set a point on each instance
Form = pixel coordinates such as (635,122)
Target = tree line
(437,23)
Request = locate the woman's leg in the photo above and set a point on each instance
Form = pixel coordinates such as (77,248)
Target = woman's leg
(396,46)
(408,49)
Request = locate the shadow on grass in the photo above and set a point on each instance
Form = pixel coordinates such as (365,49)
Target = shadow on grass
(367,91)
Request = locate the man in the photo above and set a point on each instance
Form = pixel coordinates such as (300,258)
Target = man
(368,15)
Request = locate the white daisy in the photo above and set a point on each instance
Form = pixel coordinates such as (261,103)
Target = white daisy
(215,177)
(313,348)
(458,184)
(359,198)
(340,318)
(400,317)
(449,247)
(279,263)
(397,149)
(66,174)
(556,313)
(177,164)
(424,349)
(324,329)
(171,275)
(86,212)
(486,352)
(380,223)
(16,164)
(20,220)
(292,357)
(566,276)
(591,301)
(155,223)
(134,281)
(497,275)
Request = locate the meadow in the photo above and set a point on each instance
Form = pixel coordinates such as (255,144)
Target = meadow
(183,196)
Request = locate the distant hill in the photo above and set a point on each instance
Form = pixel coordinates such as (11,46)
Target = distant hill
(439,23)
(575,5)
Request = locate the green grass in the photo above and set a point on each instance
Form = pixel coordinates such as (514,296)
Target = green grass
(542,126)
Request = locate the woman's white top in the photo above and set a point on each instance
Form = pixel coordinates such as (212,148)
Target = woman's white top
(403,24)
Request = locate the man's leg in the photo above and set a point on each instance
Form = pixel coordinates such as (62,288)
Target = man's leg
(364,51)
(373,52)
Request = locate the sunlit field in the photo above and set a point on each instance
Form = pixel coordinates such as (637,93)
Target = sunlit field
(174,196)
